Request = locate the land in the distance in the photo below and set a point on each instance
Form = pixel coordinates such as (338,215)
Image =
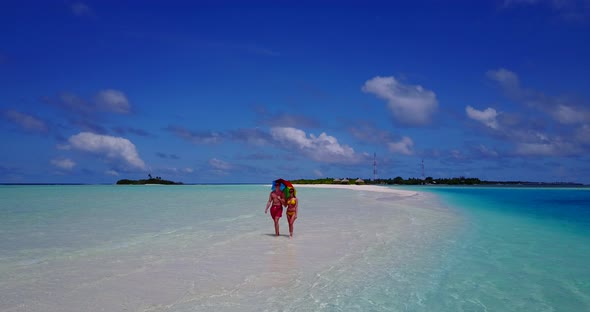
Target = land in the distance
(429,181)
(156,180)
(390,181)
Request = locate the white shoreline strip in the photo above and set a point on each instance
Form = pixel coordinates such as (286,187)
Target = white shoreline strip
(369,188)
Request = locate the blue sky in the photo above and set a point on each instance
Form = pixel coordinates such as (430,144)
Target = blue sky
(214,92)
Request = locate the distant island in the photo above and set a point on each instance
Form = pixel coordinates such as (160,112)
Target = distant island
(150,180)
(428,181)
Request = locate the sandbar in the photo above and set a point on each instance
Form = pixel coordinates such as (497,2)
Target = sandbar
(368,188)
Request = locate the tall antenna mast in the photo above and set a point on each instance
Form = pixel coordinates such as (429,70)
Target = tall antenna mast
(374,166)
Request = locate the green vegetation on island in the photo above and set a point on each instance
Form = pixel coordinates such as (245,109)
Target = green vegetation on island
(150,180)
(427,181)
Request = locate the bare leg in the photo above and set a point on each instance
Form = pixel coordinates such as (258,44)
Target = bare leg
(276,226)
(291,220)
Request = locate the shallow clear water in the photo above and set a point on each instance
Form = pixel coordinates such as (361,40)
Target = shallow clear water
(524,249)
(212,248)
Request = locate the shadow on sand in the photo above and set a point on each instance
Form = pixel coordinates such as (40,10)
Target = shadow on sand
(282,235)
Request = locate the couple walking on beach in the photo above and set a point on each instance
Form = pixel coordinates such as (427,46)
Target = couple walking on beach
(276,201)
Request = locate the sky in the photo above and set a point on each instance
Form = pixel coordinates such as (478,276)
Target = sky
(247,92)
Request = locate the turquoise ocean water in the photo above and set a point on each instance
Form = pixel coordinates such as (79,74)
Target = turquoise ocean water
(524,249)
(211,248)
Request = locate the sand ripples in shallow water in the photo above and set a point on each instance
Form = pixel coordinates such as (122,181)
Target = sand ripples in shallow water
(192,249)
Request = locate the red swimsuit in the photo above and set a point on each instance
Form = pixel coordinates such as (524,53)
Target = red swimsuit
(276,211)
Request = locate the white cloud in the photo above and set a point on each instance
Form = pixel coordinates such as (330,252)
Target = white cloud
(63,163)
(544,149)
(220,167)
(555,147)
(506,78)
(113,101)
(25,121)
(486,117)
(287,119)
(197,138)
(80,9)
(456,154)
(405,146)
(219,164)
(486,151)
(535,149)
(318,173)
(114,148)
(181,170)
(112,173)
(566,114)
(561,108)
(63,147)
(534,137)
(569,10)
(583,134)
(109,100)
(250,136)
(409,104)
(70,102)
(323,148)
(517,2)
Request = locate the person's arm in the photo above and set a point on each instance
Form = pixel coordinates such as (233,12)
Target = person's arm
(268,203)
(296,208)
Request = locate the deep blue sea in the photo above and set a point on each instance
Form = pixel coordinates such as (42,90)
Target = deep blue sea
(212,248)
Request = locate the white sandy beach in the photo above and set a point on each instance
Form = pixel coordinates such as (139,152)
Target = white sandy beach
(368,188)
